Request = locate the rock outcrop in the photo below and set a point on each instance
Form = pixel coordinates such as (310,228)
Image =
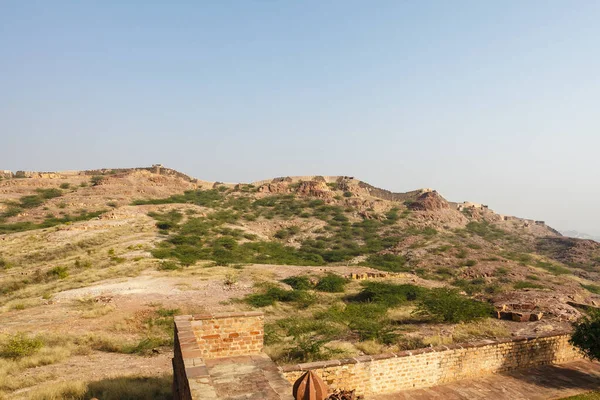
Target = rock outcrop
(429,201)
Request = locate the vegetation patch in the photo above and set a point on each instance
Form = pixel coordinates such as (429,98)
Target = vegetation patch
(331,283)
(19,346)
(592,288)
(447,305)
(275,294)
(527,285)
(48,222)
(388,294)
(586,335)
(299,282)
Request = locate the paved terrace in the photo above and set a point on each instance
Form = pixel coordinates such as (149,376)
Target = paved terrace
(219,357)
(541,383)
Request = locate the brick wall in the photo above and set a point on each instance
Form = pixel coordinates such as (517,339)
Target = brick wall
(230,334)
(388,373)
(207,336)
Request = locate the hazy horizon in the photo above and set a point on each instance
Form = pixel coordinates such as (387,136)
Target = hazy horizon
(487,102)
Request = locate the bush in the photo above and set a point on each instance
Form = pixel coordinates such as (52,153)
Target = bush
(470,263)
(386,262)
(299,282)
(388,294)
(527,285)
(59,272)
(287,232)
(447,305)
(169,266)
(586,335)
(552,268)
(31,201)
(96,180)
(20,345)
(486,230)
(370,322)
(592,288)
(65,185)
(331,283)
(274,294)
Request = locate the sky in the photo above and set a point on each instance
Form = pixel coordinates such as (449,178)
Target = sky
(491,102)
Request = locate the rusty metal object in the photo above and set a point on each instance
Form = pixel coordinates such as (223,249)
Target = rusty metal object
(310,387)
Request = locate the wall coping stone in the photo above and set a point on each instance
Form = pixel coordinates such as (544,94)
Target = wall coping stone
(426,350)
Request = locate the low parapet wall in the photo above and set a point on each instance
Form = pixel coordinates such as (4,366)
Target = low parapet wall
(393,372)
(208,336)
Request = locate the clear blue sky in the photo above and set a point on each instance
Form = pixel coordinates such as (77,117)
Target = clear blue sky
(494,102)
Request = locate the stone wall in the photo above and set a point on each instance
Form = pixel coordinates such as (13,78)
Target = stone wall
(229,334)
(388,373)
(209,336)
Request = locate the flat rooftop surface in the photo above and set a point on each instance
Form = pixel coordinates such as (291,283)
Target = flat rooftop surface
(540,383)
(248,378)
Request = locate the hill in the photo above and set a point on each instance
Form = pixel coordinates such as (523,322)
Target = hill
(113,254)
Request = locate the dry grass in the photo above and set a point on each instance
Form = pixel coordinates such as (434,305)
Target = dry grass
(54,349)
(90,308)
(437,340)
(370,347)
(486,328)
(121,388)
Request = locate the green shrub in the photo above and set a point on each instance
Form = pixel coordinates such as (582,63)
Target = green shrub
(487,231)
(386,262)
(447,305)
(586,335)
(31,201)
(527,285)
(470,263)
(206,198)
(49,222)
(145,346)
(331,283)
(592,288)
(370,322)
(552,268)
(65,185)
(274,294)
(169,266)
(60,272)
(96,180)
(521,258)
(471,287)
(20,345)
(299,282)
(388,294)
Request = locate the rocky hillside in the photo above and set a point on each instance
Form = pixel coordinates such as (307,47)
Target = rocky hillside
(121,249)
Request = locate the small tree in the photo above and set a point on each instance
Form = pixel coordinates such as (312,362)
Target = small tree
(586,335)
(447,305)
(96,180)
